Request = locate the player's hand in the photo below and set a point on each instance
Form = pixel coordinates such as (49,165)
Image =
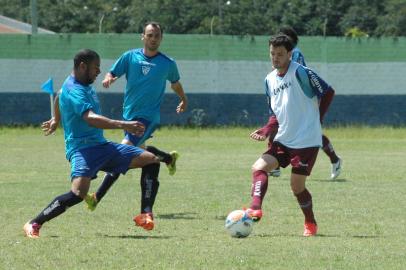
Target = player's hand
(256,135)
(182,106)
(108,80)
(49,127)
(135,127)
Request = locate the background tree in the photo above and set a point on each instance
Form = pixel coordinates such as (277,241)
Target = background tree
(229,17)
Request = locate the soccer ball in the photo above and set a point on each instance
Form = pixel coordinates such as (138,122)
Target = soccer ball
(239,224)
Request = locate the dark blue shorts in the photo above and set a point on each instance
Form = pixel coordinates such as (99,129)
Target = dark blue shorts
(109,157)
(150,127)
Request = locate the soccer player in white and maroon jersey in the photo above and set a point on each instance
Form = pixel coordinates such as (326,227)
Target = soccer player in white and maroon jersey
(327,147)
(299,98)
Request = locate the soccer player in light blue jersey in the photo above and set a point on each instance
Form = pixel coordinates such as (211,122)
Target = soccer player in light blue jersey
(298,57)
(86,148)
(299,99)
(146,70)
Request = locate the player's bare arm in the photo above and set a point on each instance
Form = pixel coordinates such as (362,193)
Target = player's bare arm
(99,121)
(178,89)
(108,80)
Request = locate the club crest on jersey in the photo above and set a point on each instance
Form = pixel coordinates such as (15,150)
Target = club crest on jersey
(145,69)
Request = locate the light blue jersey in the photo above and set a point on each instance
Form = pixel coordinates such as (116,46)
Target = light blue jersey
(74,100)
(298,57)
(146,82)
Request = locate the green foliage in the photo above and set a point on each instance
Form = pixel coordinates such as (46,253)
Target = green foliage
(361,215)
(393,23)
(355,32)
(233,17)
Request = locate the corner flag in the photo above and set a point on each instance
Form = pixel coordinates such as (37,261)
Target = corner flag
(48,86)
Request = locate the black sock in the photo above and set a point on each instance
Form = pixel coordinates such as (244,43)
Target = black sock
(108,181)
(163,156)
(149,186)
(57,207)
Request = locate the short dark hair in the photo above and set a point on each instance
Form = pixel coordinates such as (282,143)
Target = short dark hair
(154,24)
(281,40)
(290,32)
(86,56)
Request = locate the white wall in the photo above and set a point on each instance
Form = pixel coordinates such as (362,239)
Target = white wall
(216,76)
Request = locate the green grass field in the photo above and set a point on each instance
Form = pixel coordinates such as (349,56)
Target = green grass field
(361,216)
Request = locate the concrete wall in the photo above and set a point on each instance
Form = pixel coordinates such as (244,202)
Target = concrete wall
(222,75)
(216,109)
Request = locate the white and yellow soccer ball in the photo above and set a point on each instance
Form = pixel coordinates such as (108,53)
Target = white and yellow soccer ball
(239,224)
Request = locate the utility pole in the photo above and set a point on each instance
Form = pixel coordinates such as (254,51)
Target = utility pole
(34,17)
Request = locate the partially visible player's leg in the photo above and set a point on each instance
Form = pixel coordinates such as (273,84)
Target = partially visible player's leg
(336,161)
(149,189)
(277,171)
(304,198)
(80,186)
(302,162)
(259,186)
(109,179)
(168,158)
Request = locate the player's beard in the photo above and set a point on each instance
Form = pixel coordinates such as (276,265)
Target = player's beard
(89,79)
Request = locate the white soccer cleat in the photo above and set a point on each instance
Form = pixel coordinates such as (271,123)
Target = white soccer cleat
(336,169)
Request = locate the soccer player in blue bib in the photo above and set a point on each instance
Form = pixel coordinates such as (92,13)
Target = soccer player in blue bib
(298,57)
(86,148)
(146,70)
(299,99)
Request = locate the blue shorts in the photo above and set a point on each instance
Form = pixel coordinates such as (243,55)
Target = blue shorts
(150,127)
(109,157)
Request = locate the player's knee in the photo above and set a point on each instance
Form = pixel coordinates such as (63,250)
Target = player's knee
(297,188)
(80,186)
(80,192)
(257,167)
(150,158)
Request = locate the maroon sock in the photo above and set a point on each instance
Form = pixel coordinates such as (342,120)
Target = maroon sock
(258,189)
(329,150)
(305,202)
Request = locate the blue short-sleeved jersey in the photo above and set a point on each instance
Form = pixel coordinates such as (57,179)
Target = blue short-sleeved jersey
(298,57)
(146,82)
(74,100)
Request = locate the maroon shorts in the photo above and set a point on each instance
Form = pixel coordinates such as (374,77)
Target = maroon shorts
(302,160)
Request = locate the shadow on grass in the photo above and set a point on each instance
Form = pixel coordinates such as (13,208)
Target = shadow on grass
(222,217)
(321,235)
(136,236)
(187,215)
(339,180)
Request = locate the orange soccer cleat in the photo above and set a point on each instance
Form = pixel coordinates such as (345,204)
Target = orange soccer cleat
(32,230)
(310,229)
(145,220)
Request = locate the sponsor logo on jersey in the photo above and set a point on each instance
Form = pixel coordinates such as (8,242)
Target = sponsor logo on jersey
(281,87)
(314,80)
